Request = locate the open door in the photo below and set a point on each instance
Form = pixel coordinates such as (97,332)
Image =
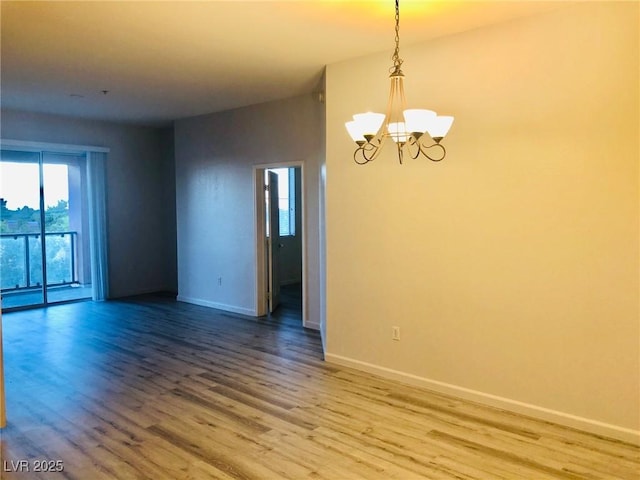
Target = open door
(280,262)
(273,242)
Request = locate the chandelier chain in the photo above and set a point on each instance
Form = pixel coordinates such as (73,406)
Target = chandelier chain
(397,61)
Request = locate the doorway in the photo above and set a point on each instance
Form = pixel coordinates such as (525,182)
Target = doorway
(44,229)
(280,241)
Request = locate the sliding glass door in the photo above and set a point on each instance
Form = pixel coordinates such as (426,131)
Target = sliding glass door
(20,230)
(44,241)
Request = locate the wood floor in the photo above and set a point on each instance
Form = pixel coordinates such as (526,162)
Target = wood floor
(150,388)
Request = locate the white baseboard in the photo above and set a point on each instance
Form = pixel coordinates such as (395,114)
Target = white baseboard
(561,418)
(219,306)
(312,325)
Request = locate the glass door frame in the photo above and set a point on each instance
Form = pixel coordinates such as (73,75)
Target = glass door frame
(23,247)
(42,149)
(43,228)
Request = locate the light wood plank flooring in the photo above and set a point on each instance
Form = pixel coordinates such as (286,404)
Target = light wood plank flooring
(149,388)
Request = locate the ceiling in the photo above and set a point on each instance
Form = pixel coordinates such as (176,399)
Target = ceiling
(151,62)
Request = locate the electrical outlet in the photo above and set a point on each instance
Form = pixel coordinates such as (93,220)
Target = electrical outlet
(395,333)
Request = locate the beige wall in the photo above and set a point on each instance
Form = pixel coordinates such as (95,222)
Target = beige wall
(512,266)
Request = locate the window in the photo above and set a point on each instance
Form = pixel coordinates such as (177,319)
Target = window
(286,199)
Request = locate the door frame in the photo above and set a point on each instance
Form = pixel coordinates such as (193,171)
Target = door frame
(261,282)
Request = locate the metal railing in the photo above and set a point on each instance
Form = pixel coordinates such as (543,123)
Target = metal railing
(21,260)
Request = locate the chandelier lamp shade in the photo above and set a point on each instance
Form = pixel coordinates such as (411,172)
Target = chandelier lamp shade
(414,131)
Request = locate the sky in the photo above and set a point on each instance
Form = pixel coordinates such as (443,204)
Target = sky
(19,184)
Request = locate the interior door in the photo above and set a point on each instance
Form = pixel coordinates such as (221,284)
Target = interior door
(273,243)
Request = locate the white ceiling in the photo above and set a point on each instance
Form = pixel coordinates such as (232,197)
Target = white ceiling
(164,60)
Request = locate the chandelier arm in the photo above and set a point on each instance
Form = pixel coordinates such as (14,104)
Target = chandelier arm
(400,151)
(367,152)
(423,149)
(363,158)
(411,143)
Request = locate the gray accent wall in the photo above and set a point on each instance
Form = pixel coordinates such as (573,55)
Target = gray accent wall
(140,189)
(215,197)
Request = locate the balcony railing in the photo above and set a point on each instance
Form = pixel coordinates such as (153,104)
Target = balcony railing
(21,260)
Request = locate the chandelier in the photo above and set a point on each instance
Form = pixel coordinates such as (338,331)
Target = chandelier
(414,131)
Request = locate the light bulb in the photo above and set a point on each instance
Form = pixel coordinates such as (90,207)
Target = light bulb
(398,132)
(369,122)
(439,126)
(418,120)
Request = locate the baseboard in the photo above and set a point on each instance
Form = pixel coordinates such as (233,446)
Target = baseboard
(166,293)
(585,424)
(312,325)
(145,292)
(219,306)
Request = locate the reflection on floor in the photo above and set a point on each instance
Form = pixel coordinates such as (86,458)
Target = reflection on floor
(54,295)
(151,388)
